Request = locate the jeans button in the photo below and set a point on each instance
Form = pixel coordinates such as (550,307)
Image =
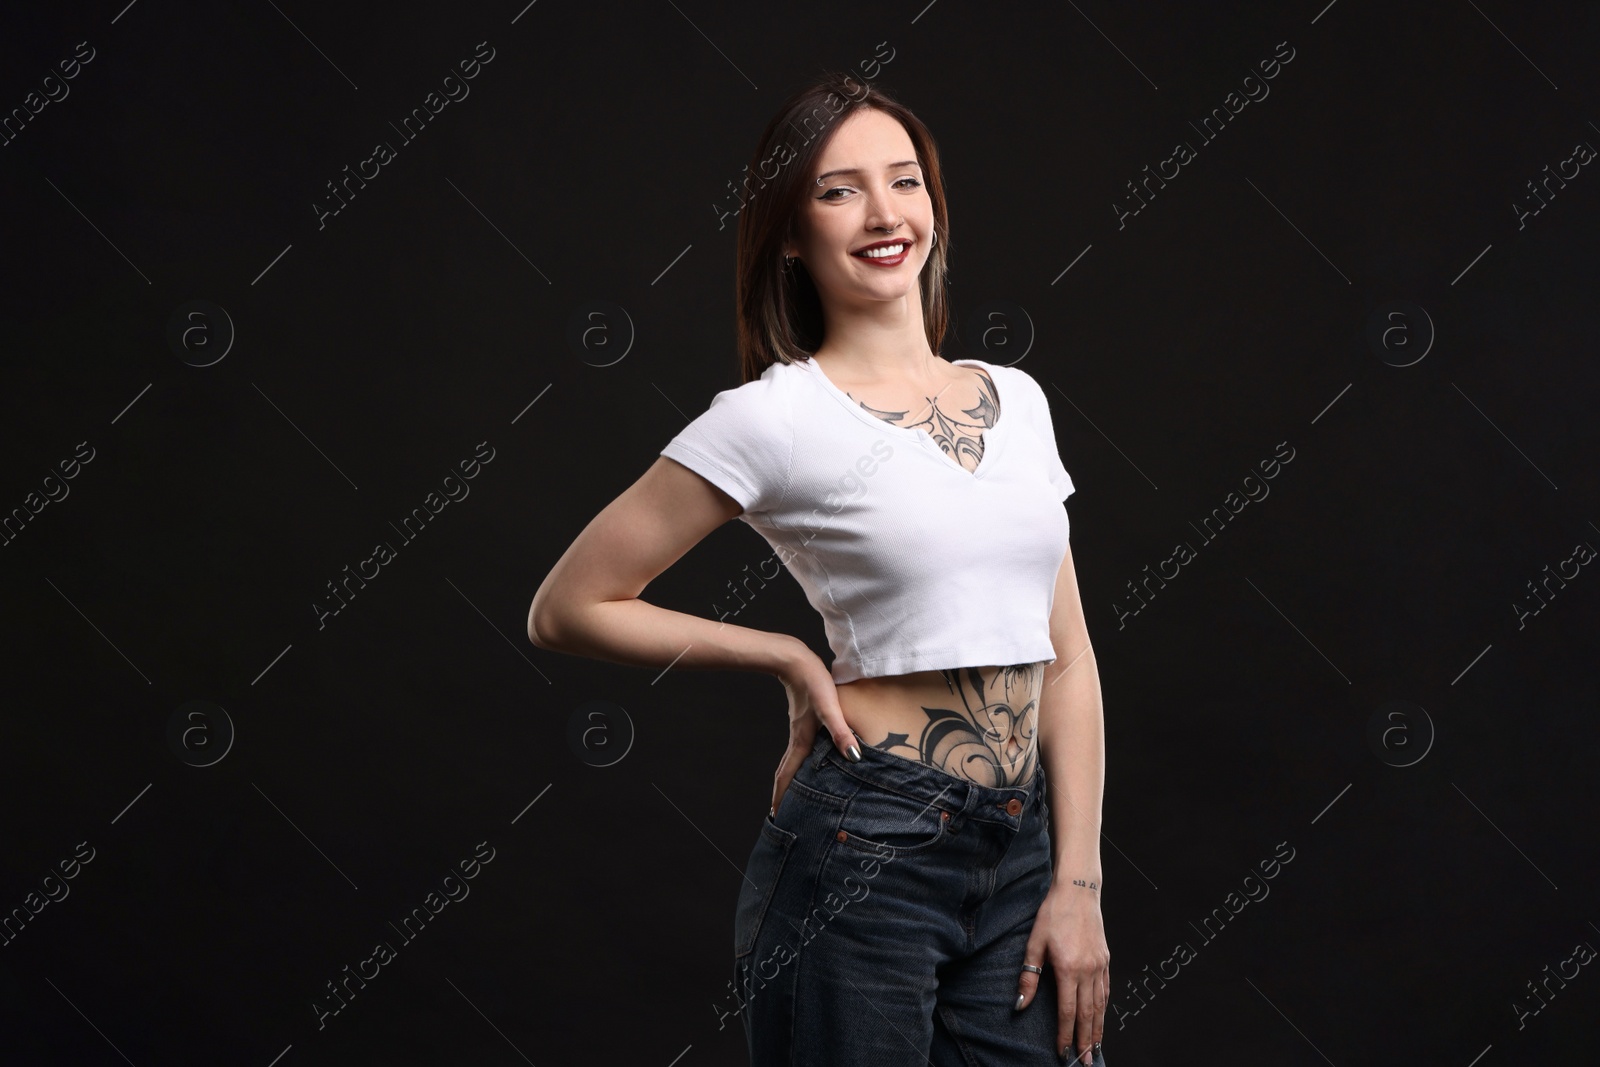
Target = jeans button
(1013,806)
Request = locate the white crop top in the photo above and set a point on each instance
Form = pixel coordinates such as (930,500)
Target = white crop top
(913,562)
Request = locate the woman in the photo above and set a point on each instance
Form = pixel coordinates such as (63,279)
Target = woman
(907,899)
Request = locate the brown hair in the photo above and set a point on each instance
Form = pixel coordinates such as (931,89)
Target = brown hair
(779,312)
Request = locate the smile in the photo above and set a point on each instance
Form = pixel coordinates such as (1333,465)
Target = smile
(886,255)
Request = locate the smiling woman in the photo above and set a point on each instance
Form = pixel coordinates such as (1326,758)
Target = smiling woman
(946,592)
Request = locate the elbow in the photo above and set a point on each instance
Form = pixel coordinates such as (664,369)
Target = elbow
(542,627)
(539,633)
(533,634)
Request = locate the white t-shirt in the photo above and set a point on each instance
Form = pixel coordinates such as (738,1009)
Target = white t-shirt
(913,562)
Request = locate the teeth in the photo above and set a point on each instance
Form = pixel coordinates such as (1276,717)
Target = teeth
(884,252)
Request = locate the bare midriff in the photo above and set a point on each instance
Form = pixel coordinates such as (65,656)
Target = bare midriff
(975,723)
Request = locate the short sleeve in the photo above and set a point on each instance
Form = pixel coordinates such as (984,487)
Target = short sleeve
(742,444)
(1060,480)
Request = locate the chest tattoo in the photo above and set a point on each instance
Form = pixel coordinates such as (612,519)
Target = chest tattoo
(961,440)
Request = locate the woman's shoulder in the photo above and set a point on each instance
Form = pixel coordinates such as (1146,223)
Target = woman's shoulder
(767,395)
(1022,384)
(1011,371)
(760,407)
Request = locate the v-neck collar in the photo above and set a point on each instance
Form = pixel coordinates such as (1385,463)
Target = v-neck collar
(992,435)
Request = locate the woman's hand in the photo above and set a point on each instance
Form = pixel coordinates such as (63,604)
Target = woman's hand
(813,703)
(1069,937)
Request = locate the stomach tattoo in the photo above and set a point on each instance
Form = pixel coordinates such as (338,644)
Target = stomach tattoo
(974,723)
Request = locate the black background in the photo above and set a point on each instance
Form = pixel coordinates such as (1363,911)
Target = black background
(371,354)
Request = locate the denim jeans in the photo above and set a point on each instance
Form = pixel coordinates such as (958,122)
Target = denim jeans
(883,918)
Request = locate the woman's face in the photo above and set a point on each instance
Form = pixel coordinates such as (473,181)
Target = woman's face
(872,190)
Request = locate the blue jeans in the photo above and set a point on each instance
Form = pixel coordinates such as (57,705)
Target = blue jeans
(883,917)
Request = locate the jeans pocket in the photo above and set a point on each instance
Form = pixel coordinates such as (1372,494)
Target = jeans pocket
(761,876)
(877,820)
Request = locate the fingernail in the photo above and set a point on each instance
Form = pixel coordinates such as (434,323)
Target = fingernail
(1020,998)
(854,753)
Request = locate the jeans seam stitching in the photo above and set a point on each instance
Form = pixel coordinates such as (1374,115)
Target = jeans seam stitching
(800,957)
(821,796)
(891,789)
(956,1036)
(869,846)
(787,842)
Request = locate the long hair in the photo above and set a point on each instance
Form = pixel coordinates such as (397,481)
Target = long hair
(778,311)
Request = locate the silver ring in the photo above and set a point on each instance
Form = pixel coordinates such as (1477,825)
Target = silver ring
(1031,967)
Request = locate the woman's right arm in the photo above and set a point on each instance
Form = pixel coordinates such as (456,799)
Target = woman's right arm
(588,605)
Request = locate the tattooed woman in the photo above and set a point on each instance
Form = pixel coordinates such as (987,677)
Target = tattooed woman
(908,899)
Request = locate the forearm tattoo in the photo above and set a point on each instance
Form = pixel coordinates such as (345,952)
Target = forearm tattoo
(986,732)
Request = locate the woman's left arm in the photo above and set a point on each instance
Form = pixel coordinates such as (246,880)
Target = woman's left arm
(1068,933)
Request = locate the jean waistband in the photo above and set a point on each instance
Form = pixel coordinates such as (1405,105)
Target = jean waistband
(925,783)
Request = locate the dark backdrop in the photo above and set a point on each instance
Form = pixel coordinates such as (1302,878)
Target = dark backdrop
(223,786)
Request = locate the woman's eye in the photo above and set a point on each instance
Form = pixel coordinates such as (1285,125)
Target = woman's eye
(845,188)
